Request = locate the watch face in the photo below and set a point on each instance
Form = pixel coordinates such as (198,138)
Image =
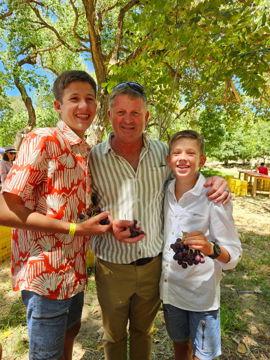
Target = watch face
(217,251)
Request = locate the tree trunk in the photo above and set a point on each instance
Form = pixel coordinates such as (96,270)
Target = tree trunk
(99,125)
(28,103)
(30,110)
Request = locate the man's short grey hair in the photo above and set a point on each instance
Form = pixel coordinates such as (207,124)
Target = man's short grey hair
(134,91)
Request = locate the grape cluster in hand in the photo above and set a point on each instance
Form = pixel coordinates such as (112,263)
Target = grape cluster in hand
(95,210)
(134,230)
(185,256)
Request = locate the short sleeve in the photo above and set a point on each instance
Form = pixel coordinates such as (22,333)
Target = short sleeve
(30,167)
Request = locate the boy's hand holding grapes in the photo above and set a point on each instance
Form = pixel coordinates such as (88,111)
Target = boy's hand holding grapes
(196,240)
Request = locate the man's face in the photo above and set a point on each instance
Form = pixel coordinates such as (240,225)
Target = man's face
(128,116)
(78,106)
(185,158)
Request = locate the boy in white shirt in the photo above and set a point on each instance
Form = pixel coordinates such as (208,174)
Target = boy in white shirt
(191,293)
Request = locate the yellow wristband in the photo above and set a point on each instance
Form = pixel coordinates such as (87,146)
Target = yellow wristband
(72,229)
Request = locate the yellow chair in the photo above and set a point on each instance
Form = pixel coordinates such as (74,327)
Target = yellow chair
(237,188)
(90,258)
(244,188)
(5,243)
(266,185)
(232,183)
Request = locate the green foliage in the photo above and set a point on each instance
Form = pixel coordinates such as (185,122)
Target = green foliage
(18,119)
(13,122)
(212,124)
(211,172)
(183,52)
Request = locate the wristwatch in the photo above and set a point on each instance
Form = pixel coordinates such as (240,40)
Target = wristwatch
(217,251)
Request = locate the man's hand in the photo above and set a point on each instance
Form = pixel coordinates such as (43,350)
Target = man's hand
(121,231)
(219,191)
(92,225)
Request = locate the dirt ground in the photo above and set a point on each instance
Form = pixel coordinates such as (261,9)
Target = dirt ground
(251,215)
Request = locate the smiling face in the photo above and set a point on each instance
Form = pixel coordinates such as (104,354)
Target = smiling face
(78,106)
(185,158)
(128,116)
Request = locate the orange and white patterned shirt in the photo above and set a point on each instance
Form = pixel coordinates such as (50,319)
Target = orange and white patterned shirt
(51,175)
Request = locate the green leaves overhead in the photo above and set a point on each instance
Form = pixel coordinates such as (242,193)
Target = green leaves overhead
(187,53)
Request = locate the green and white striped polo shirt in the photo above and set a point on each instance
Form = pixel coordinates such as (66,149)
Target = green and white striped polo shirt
(128,194)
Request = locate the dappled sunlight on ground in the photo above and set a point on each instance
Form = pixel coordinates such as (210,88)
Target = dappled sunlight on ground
(252,215)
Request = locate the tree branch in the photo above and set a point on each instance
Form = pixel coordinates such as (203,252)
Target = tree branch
(50,27)
(7,14)
(100,15)
(27,101)
(229,86)
(172,71)
(133,55)
(119,31)
(77,15)
(95,41)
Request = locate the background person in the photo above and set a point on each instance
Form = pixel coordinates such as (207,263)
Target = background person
(262,169)
(9,156)
(191,292)
(46,192)
(129,172)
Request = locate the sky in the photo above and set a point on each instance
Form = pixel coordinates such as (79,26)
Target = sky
(13,91)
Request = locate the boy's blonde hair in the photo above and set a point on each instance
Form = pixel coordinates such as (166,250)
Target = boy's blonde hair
(188,134)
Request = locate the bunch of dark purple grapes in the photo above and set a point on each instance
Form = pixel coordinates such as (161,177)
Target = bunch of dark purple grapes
(185,256)
(135,230)
(96,209)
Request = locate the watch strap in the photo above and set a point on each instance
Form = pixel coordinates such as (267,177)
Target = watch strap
(217,251)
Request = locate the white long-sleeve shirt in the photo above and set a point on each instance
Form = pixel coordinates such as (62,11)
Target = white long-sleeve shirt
(196,288)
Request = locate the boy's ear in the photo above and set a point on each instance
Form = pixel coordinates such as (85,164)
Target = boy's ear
(168,159)
(57,106)
(203,160)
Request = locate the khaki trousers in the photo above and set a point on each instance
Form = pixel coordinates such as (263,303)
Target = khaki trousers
(129,297)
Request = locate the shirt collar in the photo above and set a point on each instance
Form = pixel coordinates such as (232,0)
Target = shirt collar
(72,137)
(195,191)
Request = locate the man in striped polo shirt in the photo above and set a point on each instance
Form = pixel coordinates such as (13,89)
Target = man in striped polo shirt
(129,172)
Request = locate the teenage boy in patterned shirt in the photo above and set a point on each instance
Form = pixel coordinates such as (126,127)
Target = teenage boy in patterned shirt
(46,192)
